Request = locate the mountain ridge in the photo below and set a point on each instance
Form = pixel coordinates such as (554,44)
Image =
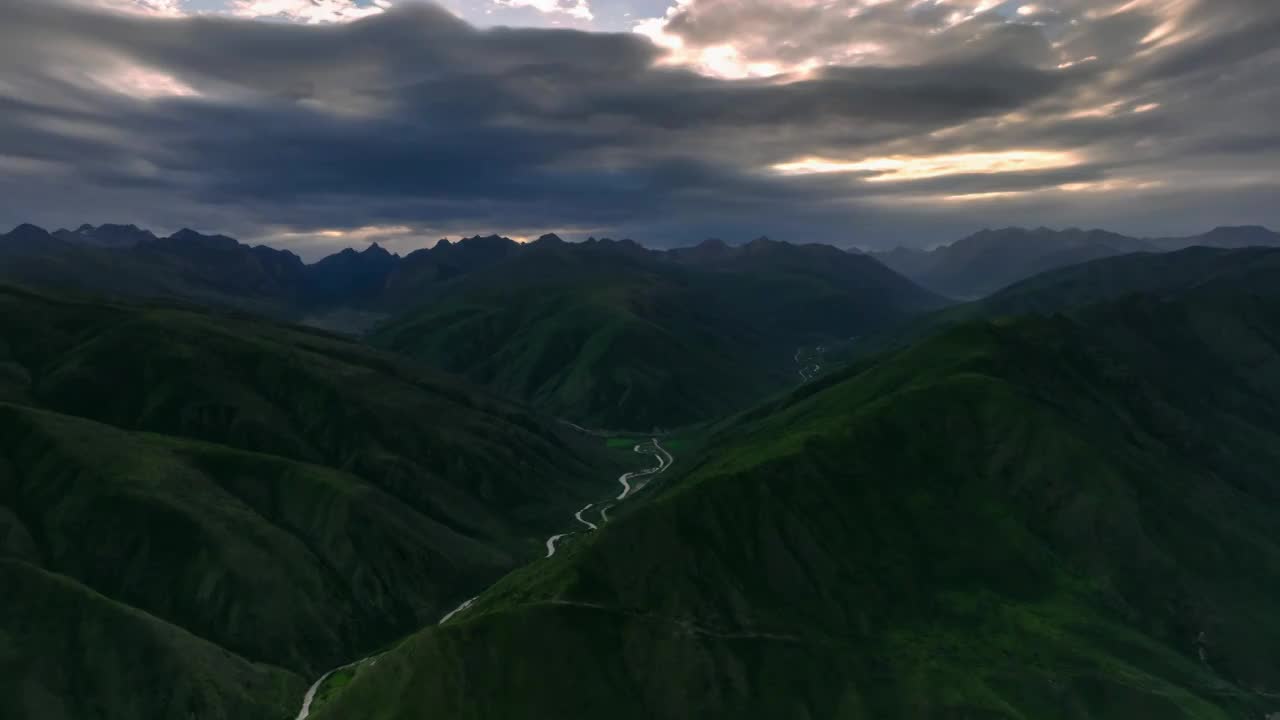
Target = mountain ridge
(989,260)
(258,502)
(588,331)
(277,281)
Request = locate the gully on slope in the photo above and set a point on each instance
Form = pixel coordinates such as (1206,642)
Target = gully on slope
(810,365)
(653,447)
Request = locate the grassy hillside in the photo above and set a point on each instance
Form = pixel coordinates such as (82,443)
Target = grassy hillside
(611,335)
(253,492)
(69,652)
(1047,518)
(606,355)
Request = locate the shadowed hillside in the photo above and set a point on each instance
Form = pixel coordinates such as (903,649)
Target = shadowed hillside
(220,509)
(612,335)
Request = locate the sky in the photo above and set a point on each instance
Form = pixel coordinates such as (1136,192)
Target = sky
(320,124)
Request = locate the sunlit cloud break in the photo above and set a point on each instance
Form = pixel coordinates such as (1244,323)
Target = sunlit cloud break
(580,9)
(901,168)
(799,119)
(307,11)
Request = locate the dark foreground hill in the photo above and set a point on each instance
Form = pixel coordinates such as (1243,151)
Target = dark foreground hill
(1050,518)
(613,335)
(199,514)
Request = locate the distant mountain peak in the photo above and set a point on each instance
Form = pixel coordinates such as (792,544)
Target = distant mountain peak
(709,250)
(763,244)
(491,239)
(26,229)
(901,251)
(1233,236)
(1240,230)
(350,257)
(28,234)
(107,235)
(187,235)
(549,239)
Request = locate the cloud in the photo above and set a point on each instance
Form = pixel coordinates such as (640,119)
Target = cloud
(899,168)
(868,122)
(580,9)
(159,8)
(739,38)
(307,11)
(304,11)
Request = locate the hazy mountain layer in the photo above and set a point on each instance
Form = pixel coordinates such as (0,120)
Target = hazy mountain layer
(987,261)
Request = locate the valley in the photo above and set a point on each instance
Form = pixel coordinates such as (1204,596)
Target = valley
(639,360)
(280,498)
(885,505)
(665,460)
(948,530)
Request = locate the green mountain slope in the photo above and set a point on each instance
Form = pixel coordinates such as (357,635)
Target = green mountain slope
(613,335)
(247,491)
(68,652)
(1044,518)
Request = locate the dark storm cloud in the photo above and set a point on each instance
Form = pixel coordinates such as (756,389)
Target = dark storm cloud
(414,118)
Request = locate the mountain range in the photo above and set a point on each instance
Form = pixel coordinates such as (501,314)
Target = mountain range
(1051,517)
(127,261)
(1056,502)
(583,331)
